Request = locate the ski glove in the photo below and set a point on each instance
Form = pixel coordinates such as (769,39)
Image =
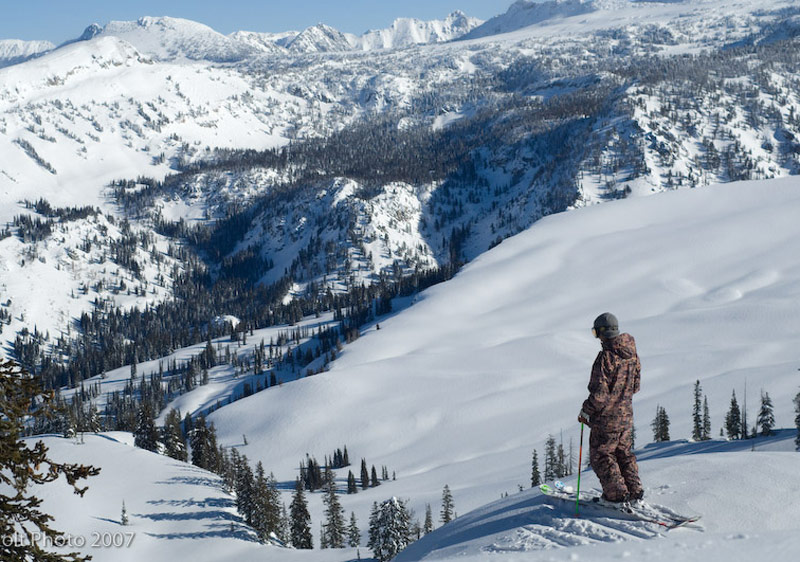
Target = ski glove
(583,417)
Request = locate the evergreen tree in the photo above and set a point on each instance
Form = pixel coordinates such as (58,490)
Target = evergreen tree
(536,477)
(353,533)
(200,440)
(660,425)
(550,459)
(24,464)
(364,475)
(797,419)
(374,478)
(245,490)
(697,413)
(733,419)
(706,420)
(123,518)
(390,529)
(352,487)
(145,434)
(766,416)
(334,527)
(561,462)
(446,515)
(299,519)
(266,517)
(428,525)
(174,441)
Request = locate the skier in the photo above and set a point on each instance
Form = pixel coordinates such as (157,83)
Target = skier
(609,412)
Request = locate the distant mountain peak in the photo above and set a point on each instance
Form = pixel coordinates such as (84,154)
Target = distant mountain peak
(91,32)
(167,38)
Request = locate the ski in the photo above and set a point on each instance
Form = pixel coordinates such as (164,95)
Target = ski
(641,512)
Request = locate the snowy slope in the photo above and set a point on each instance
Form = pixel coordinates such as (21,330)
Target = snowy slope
(462,386)
(176,511)
(740,520)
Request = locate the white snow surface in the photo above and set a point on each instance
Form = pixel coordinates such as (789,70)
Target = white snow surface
(459,389)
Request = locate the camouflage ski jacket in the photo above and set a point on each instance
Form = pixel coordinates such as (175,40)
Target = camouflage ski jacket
(614,380)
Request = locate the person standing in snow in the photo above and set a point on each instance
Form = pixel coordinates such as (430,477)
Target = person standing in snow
(609,411)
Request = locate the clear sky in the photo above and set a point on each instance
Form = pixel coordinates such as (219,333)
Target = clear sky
(60,20)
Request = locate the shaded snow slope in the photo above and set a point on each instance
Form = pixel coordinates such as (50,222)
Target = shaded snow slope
(462,386)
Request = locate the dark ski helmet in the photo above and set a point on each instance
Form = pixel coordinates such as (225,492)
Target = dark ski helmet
(606,326)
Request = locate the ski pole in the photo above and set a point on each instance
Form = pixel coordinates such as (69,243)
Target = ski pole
(580,461)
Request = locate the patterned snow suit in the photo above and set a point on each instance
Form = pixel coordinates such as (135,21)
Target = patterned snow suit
(614,380)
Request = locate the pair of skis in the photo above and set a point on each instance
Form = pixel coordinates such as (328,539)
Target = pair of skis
(637,510)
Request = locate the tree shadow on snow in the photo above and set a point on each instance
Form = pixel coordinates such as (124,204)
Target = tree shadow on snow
(780,440)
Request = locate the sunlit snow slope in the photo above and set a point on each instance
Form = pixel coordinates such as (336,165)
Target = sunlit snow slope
(462,387)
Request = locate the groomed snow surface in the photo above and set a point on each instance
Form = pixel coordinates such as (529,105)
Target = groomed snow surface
(462,386)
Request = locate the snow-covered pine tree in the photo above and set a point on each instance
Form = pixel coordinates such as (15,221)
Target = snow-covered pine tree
(145,434)
(428,525)
(174,441)
(697,413)
(390,529)
(353,532)
(706,420)
(536,477)
(266,501)
(766,417)
(561,461)
(300,519)
(245,490)
(733,419)
(446,515)
(123,518)
(550,459)
(283,529)
(334,527)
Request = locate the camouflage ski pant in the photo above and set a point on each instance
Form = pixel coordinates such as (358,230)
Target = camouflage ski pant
(612,458)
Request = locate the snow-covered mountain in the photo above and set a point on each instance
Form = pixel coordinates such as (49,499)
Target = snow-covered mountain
(320,38)
(271,43)
(535,121)
(406,32)
(174,39)
(14,51)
